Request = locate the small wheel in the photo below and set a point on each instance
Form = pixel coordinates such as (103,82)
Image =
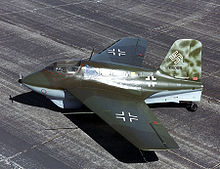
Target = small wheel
(192,107)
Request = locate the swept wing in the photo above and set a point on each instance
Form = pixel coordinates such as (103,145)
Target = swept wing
(129,51)
(129,116)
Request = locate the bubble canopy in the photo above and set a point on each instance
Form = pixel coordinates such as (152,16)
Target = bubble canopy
(64,66)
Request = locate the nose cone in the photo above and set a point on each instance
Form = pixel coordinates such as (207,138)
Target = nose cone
(37,79)
(19,80)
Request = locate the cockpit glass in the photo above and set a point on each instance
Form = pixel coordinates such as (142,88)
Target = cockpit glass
(64,66)
(51,67)
(73,67)
(90,71)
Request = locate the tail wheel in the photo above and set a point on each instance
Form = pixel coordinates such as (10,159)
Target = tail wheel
(192,107)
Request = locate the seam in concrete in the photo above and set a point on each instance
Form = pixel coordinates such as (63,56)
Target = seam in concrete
(8,160)
(184,158)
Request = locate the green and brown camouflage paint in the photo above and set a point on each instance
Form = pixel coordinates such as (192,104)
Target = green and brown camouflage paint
(183,60)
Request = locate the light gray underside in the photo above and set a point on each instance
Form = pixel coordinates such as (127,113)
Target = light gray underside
(174,96)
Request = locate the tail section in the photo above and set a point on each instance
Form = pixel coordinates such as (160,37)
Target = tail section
(184,60)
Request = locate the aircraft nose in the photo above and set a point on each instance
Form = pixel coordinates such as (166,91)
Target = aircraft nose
(35,79)
(19,80)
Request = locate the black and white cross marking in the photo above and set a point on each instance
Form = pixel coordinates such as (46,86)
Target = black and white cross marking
(122,116)
(116,51)
(151,81)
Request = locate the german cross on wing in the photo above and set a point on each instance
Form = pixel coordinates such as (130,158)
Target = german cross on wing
(122,116)
(116,52)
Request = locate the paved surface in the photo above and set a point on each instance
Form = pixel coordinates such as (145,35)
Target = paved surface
(35,134)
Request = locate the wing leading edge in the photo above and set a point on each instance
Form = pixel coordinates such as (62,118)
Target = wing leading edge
(128,51)
(131,118)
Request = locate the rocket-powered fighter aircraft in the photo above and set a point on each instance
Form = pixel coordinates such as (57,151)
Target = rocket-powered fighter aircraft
(115,86)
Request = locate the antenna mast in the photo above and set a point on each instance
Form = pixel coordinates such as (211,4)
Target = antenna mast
(91,54)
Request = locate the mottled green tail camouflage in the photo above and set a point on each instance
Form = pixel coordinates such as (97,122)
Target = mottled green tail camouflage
(184,60)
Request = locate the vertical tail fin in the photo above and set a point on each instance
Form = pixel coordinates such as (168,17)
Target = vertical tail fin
(184,60)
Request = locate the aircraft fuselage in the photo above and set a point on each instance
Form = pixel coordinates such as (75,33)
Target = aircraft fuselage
(152,86)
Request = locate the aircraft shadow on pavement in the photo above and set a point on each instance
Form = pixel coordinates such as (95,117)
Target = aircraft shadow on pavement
(110,140)
(34,99)
(96,128)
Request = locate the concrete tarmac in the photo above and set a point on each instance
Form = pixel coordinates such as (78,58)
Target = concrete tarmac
(34,133)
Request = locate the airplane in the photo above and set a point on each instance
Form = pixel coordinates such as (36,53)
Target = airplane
(116,87)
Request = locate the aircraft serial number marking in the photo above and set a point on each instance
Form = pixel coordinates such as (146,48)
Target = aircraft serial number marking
(175,67)
(122,116)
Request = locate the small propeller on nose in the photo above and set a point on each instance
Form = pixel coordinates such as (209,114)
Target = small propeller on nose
(11,98)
